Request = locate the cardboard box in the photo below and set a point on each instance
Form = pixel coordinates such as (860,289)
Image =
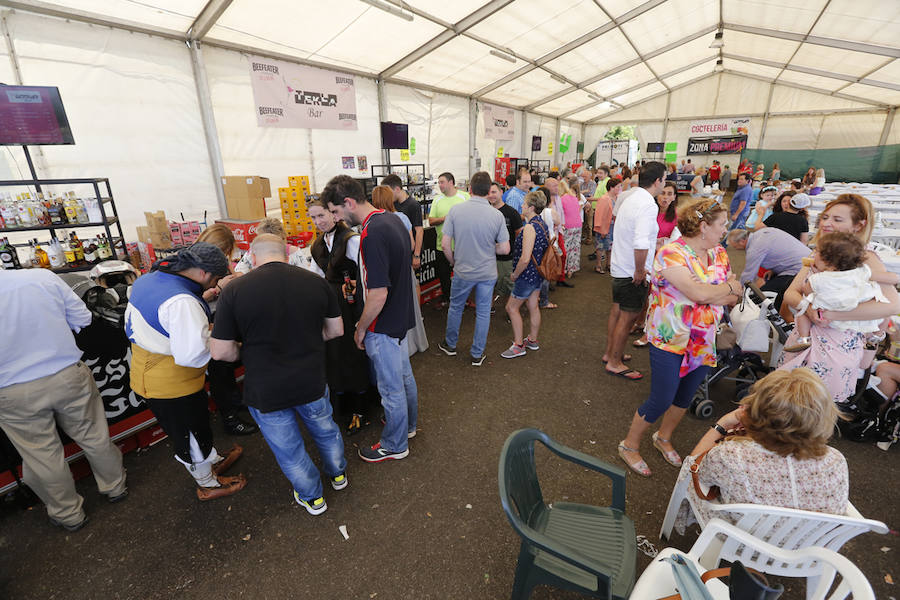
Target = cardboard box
(244,231)
(245,197)
(157,221)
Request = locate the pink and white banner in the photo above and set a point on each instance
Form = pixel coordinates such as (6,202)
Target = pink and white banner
(291,95)
(722,127)
(499,122)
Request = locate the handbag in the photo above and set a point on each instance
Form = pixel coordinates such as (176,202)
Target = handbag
(743,583)
(550,266)
(750,324)
(726,337)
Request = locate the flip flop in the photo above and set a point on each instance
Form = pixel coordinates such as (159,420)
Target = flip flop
(551,306)
(601,271)
(640,467)
(639,343)
(625,358)
(624,374)
(670,456)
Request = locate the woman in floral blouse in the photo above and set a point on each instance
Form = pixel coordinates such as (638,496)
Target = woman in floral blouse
(780,456)
(691,281)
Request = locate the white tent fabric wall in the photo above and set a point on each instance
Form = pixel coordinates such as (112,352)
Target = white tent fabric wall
(440,124)
(488,148)
(107,77)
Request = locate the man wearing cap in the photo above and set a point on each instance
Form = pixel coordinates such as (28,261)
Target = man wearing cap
(167,321)
(792,218)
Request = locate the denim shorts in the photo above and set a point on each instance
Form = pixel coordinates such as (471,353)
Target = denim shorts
(603,242)
(523,289)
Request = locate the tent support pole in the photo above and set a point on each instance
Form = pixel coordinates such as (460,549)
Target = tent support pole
(888,123)
(204,99)
(382,117)
(526,143)
(556,144)
(473,121)
(762,132)
(665,130)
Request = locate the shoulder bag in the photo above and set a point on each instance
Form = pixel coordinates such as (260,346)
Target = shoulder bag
(550,266)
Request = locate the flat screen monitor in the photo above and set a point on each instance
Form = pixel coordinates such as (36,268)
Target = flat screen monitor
(33,116)
(655,146)
(579,148)
(394,136)
(535,143)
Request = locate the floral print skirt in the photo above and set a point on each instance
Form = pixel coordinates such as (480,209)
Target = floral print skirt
(573,250)
(834,356)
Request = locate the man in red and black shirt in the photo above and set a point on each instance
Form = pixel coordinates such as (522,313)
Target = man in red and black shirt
(714,172)
(386,280)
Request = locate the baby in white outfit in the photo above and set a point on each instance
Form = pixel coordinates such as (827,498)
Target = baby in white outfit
(839,280)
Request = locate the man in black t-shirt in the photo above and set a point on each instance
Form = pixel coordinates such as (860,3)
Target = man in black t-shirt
(386,281)
(513,225)
(406,204)
(277,318)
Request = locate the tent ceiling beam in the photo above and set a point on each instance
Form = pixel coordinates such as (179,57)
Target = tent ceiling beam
(804,113)
(650,4)
(207,18)
(631,43)
(620,68)
(867,73)
(817,40)
(807,88)
(639,86)
(51,10)
(817,72)
(450,32)
(601,118)
(800,45)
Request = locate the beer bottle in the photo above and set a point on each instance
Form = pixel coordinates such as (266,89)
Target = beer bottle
(349,289)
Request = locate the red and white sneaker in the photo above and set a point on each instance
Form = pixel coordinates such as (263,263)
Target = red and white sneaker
(376,454)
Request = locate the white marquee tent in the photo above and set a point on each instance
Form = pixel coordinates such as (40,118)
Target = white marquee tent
(159,96)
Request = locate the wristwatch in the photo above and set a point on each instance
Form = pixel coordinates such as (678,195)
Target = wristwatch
(719,428)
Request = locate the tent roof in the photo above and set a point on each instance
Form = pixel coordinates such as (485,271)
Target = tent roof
(581,60)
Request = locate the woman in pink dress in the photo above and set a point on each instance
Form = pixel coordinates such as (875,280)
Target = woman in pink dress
(839,354)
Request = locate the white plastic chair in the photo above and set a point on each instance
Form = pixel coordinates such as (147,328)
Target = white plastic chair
(821,567)
(785,527)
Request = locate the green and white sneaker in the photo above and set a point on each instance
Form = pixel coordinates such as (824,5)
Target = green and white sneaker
(313,507)
(339,482)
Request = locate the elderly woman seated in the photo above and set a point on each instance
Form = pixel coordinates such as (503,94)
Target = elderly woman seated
(778,455)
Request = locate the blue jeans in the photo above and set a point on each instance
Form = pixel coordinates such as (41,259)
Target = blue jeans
(282,433)
(667,387)
(459,291)
(399,397)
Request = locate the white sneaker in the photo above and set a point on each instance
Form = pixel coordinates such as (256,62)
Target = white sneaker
(514,351)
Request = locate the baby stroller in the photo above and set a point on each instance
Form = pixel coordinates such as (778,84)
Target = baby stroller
(743,368)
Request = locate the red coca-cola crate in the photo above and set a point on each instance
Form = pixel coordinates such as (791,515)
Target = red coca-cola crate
(302,239)
(244,231)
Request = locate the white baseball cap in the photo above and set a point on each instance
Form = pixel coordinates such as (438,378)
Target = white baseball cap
(800,201)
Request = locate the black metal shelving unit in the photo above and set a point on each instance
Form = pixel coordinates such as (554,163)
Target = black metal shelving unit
(117,243)
(417,190)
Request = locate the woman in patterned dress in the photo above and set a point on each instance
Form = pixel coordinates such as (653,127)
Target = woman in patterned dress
(779,456)
(839,353)
(691,282)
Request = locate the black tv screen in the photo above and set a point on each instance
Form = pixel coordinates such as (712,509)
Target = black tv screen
(34,116)
(394,136)
(655,146)
(535,143)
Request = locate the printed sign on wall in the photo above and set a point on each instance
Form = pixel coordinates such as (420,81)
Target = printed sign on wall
(717,145)
(290,95)
(499,122)
(720,127)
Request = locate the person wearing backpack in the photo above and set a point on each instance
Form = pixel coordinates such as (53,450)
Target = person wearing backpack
(530,270)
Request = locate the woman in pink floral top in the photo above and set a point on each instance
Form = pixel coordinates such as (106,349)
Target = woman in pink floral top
(691,281)
(780,456)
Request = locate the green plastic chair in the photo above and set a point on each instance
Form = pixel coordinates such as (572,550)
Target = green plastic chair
(589,549)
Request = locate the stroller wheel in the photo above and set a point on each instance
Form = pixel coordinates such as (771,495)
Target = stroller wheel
(703,409)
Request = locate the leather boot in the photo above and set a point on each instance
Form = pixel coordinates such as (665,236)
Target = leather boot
(234,425)
(227,487)
(227,460)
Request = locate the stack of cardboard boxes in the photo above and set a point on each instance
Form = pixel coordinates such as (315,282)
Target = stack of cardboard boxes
(293,206)
(245,197)
(156,232)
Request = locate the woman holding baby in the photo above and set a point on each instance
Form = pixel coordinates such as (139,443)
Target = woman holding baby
(836,331)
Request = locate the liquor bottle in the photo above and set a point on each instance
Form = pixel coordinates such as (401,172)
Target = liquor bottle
(9,258)
(55,254)
(71,211)
(8,211)
(77,247)
(61,208)
(90,251)
(349,289)
(104,247)
(80,212)
(43,258)
(41,215)
(68,251)
(23,211)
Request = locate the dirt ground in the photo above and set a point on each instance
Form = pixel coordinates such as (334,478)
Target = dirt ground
(429,526)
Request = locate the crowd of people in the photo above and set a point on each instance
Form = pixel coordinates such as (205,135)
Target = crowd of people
(346,322)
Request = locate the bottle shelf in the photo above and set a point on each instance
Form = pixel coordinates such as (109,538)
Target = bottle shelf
(109,221)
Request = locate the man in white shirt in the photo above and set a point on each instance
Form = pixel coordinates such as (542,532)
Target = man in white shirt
(43,383)
(634,245)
